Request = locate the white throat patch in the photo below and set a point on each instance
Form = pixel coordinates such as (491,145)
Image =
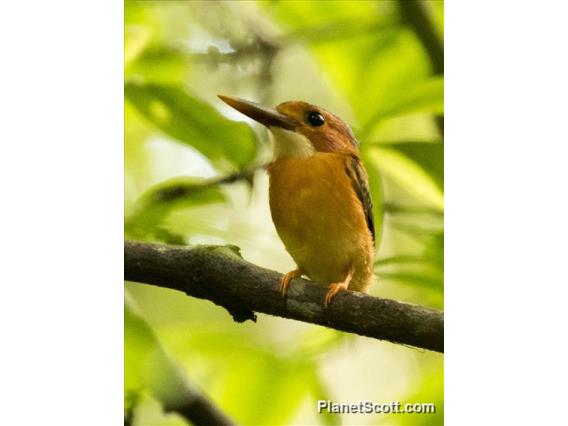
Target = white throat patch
(290,144)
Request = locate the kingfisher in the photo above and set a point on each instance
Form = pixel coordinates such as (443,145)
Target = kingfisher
(319,195)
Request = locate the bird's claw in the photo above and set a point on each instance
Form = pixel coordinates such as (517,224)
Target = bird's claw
(285,280)
(333,290)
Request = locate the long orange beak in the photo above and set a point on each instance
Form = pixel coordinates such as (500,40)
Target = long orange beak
(267,116)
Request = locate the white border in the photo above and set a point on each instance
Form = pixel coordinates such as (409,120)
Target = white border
(61,174)
(506,212)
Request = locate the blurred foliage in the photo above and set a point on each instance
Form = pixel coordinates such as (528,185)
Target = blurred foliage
(155,204)
(193,122)
(357,59)
(148,367)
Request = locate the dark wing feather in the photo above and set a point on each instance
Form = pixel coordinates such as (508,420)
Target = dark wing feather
(360,181)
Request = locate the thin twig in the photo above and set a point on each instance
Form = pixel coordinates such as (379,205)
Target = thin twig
(400,259)
(393,208)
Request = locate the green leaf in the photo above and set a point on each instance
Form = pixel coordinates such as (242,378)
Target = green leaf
(429,391)
(417,167)
(157,65)
(174,111)
(241,362)
(430,280)
(435,250)
(155,204)
(148,366)
(430,156)
(321,393)
(267,381)
(305,16)
(385,66)
(426,96)
(425,269)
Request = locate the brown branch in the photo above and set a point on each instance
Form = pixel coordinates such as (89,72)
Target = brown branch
(196,409)
(219,274)
(416,16)
(201,411)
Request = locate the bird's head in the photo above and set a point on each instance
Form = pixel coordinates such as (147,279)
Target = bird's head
(300,129)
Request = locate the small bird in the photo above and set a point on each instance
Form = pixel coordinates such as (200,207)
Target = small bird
(319,195)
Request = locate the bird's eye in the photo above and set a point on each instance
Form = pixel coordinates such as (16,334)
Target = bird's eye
(315,118)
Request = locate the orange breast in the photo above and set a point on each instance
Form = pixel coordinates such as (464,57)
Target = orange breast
(320,219)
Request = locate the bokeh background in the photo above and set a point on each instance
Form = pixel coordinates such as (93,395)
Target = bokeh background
(376,64)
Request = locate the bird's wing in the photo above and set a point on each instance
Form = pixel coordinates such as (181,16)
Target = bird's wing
(360,182)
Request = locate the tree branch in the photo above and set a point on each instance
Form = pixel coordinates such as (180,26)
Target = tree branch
(201,411)
(416,16)
(219,274)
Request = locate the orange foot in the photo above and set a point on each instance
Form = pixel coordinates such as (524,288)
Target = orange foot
(336,288)
(285,280)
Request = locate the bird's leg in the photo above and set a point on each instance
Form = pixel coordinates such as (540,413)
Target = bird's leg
(289,276)
(337,287)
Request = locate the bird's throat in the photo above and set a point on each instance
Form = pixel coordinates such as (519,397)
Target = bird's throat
(290,144)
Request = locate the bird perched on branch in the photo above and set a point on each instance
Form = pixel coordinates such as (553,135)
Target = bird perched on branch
(319,195)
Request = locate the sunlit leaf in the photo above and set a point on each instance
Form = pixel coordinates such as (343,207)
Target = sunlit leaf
(194,122)
(137,173)
(416,167)
(407,127)
(427,96)
(375,71)
(136,38)
(267,381)
(430,156)
(437,9)
(140,29)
